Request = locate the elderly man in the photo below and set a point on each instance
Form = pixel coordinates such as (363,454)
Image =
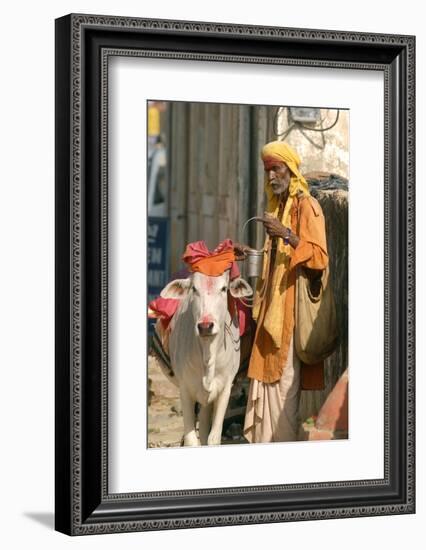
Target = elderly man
(295,228)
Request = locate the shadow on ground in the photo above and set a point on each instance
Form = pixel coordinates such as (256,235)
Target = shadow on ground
(44,518)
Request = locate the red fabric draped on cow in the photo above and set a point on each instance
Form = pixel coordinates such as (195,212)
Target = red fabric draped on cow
(213,263)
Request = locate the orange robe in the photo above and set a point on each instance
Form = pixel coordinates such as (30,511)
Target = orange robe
(267,361)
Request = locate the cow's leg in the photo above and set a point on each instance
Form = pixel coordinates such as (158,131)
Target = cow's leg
(219,409)
(205,422)
(188,408)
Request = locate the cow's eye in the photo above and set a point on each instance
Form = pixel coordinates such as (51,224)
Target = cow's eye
(194,289)
(224,289)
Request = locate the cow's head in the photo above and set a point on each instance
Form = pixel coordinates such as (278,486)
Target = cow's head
(208,297)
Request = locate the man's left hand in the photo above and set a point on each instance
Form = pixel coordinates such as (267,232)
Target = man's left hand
(273,227)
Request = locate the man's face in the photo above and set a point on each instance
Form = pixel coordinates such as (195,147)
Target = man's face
(278,175)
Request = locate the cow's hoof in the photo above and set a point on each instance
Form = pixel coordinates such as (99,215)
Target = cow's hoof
(191,440)
(214,439)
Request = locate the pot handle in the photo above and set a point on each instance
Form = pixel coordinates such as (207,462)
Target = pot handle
(254,218)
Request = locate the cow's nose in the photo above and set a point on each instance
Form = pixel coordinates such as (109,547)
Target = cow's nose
(205,328)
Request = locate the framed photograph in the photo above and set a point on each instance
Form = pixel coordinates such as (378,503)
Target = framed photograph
(216,191)
(234,274)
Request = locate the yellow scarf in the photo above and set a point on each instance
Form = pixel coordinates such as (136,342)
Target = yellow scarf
(274,316)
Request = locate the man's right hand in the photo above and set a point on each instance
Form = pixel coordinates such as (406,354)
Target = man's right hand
(240,251)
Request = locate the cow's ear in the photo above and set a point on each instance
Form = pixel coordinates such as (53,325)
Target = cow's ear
(176,289)
(240,288)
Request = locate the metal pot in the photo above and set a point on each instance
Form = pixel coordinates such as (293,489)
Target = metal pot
(254,263)
(254,258)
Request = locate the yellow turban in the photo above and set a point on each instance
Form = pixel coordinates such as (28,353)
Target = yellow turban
(280,151)
(274,317)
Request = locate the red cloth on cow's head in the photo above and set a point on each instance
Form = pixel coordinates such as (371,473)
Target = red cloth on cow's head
(199,258)
(213,263)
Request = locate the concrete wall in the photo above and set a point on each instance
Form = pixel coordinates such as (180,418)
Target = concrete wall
(326,151)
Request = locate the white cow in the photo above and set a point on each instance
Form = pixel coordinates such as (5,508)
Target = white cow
(204,347)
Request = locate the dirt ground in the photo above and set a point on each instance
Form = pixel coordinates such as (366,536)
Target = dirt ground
(165,421)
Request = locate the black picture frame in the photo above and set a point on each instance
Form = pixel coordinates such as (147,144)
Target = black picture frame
(83,504)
